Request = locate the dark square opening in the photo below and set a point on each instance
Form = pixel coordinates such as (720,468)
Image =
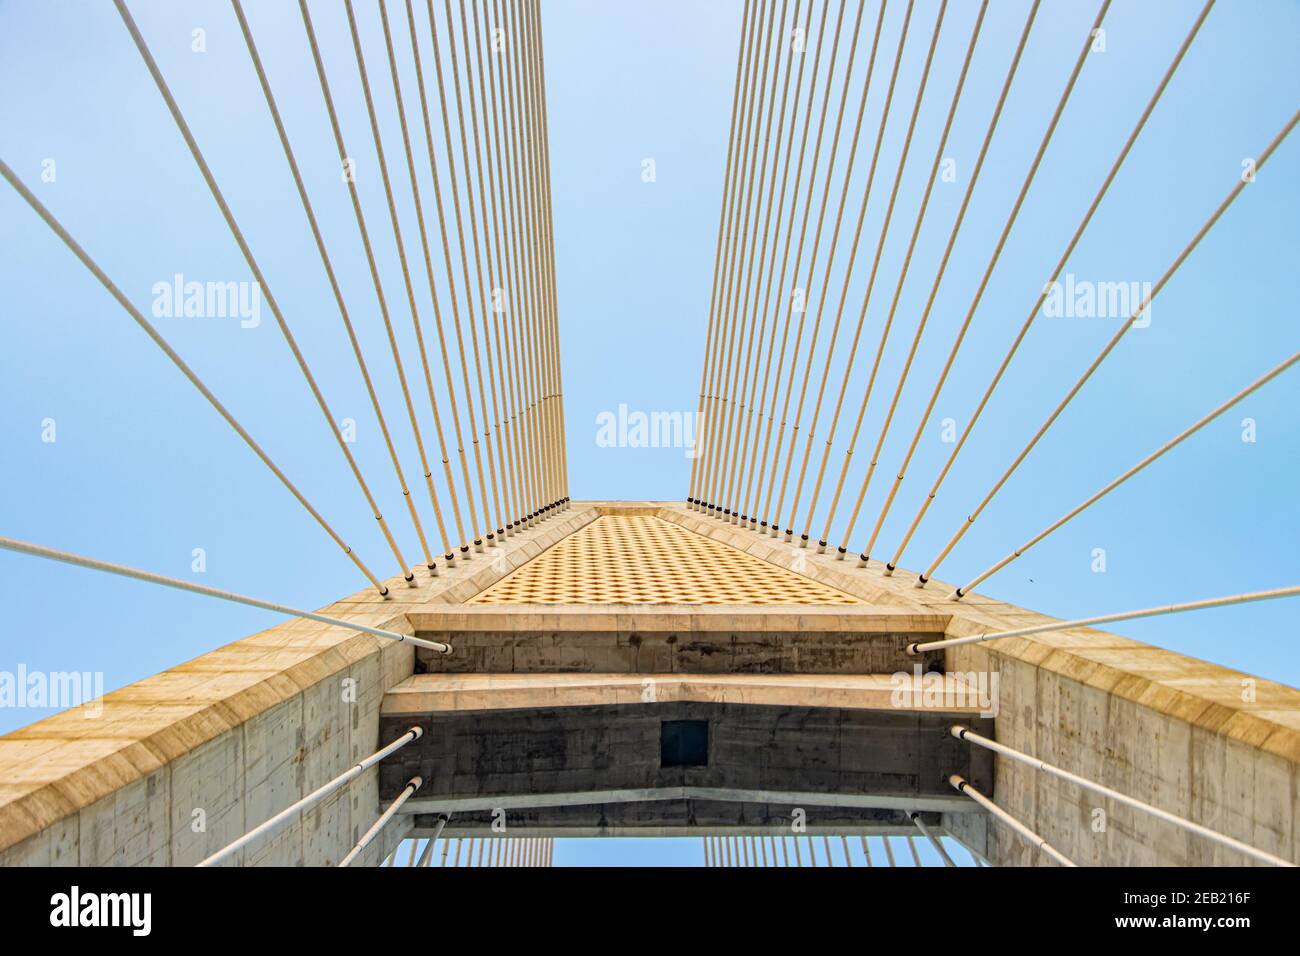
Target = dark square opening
(684,743)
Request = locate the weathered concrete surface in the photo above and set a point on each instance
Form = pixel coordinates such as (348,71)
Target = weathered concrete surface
(1212,744)
(232,737)
(894,756)
(660,639)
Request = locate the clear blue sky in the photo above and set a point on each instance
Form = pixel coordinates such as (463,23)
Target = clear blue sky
(143,471)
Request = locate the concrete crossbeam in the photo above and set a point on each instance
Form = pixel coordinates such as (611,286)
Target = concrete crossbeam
(424,694)
(1203,741)
(793,798)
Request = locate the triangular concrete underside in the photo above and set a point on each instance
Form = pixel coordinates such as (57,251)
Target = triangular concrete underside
(622,558)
